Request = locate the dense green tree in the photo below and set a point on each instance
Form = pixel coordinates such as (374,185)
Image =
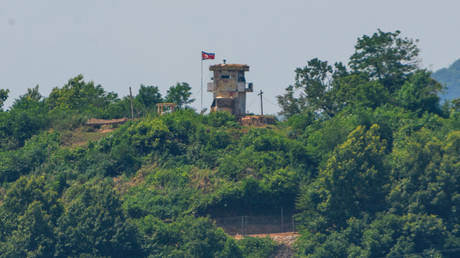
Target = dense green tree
(27,116)
(79,95)
(387,57)
(28,100)
(379,67)
(187,237)
(356,90)
(314,85)
(30,212)
(148,135)
(338,193)
(27,190)
(289,103)
(456,104)
(427,170)
(3,97)
(420,93)
(149,96)
(35,152)
(34,236)
(257,247)
(392,235)
(79,100)
(180,94)
(94,224)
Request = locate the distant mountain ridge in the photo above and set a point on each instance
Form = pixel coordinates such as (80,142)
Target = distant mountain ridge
(449,77)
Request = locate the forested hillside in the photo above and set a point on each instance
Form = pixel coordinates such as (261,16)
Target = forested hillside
(450,78)
(367,159)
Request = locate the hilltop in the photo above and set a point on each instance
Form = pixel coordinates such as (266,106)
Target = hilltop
(450,78)
(366,163)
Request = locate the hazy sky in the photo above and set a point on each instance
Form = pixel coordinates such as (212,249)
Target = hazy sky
(127,43)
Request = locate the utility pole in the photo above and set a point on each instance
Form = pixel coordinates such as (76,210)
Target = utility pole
(261,102)
(131,98)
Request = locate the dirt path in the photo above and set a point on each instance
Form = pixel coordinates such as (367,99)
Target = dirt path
(285,240)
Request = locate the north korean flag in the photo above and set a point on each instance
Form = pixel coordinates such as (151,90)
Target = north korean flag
(206,55)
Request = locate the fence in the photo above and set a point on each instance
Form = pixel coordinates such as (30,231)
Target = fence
(245,225)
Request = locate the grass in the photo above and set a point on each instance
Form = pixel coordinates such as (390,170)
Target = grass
(82,135)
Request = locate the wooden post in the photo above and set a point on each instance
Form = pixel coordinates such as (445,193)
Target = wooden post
(261,103)
(131,97)
(282,220)
(242,225)
(293,224)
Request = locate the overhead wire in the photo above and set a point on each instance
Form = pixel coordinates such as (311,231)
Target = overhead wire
(250,104)
(269,101)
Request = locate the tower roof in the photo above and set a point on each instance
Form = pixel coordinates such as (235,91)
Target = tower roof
(229,67)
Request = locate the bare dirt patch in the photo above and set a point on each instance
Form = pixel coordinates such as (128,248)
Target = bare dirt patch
(287,238)
(82,135)
(285,241)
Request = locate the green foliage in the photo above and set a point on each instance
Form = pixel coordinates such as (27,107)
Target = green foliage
(385,56)
(420,93)
(257,247)
(35,237)
(387,236)
(381,65)
(149,135)
(187,237)
(180,94)
(3,97)
(146,100)
(220,119)
(149,96)
(80,95)
(314,80)
(316,91)
(29,158)
(26,117)
(29,215)
(94,224)
(337,194)
(418,194)
(164,195)
(367,159)
(357,90)
(290,104)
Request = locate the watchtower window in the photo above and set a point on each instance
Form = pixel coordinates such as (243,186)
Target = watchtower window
(225,76)
(241,77)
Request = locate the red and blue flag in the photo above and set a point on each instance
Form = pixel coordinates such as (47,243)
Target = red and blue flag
(206,55)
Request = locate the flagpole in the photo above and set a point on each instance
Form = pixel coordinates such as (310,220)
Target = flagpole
(201,109)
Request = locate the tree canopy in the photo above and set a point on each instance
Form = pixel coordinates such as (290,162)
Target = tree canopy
(3,96)
(180,94)
(383,70)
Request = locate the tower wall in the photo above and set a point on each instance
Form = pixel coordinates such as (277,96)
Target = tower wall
(229,88)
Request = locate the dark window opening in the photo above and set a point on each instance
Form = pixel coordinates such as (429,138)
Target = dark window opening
(225,76)
(241,77)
